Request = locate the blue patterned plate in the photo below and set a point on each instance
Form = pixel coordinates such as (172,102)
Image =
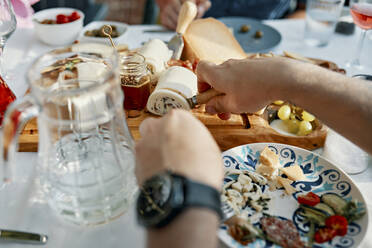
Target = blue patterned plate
(321,177)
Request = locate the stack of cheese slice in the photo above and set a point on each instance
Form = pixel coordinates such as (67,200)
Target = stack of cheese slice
(209,39)
(174,86)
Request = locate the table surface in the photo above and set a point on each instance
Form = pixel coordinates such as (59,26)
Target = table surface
(21,206)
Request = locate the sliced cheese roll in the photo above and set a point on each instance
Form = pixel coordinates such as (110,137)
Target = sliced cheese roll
(156,54)
(174,86)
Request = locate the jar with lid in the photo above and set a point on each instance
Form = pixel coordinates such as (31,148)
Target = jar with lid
(135,80)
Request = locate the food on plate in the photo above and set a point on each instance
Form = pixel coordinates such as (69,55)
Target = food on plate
(295,119)
(62,18)
(156,54)
(293,172)
(329,215)
(99,32)
(243,231)
(244,192)
(281,232)
(309,199)
(245,28)
(175,85)
(203,44)
(259,34)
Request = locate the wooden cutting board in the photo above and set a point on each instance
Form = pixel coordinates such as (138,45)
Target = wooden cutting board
(239,130)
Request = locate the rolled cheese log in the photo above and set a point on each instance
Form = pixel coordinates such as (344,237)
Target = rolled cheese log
(174,86)
(156,54)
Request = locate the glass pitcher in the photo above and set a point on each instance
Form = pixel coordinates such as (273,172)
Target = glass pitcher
(85,157)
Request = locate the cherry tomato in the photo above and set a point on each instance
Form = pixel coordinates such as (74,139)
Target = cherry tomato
(324,235)
(61,19)
(74,16)
(309,199)
(338,223)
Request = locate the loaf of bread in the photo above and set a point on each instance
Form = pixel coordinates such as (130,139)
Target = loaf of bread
(209,39)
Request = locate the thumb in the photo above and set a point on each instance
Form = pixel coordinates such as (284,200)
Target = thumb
(218,104)
(148,126)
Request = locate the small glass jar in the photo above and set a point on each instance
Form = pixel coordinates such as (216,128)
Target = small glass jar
(135,80)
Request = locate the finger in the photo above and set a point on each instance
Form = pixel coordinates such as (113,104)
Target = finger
(209,73)
(218,104)
(203,7)
(224,116)
(148,126)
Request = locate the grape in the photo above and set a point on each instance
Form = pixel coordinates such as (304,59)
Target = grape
(284,112)
(306,116)
(278,102)
(305,128)
(292,125)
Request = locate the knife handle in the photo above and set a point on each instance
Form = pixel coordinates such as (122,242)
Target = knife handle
(205,96)
(187,14)
(23,237)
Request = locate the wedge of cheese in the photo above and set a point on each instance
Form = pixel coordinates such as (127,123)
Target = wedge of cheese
(209,39)
(286,183)
(269,158)
(266,170)
(293,172)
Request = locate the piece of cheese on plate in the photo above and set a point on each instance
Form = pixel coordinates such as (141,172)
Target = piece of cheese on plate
(286,183)
(269,158)
(267,171)
(209,39)
(293,172)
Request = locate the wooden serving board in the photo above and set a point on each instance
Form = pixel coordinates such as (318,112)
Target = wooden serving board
(239,130)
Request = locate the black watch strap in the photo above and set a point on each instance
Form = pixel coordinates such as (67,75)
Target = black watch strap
(201,195)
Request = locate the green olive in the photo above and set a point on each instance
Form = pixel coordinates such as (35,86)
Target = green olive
(245,28)
(258,34)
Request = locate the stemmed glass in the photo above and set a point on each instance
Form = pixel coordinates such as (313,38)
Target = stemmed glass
(8,24)
(361,11)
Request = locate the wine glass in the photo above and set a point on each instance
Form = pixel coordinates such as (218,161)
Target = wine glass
(8,24)
(361,11)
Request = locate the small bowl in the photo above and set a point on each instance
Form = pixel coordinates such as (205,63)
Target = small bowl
(57,34)
(121,28)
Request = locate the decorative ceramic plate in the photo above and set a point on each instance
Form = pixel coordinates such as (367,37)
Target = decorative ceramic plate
(271,37)
(321,177)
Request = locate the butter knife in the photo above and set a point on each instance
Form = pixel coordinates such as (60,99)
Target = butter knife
(23,237)
(186,16)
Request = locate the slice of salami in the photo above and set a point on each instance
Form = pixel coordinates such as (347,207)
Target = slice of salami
(281,232)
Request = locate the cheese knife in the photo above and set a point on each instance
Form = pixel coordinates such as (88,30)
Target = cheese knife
(203,97)
(186,16)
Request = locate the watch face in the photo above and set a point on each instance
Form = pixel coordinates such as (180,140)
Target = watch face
(152,202)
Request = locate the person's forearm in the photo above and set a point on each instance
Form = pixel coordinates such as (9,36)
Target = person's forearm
(342,103)
(193,228)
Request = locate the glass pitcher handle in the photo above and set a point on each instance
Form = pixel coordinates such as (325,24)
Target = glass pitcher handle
(16,116)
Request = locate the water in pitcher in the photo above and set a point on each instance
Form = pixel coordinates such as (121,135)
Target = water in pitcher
(85,182)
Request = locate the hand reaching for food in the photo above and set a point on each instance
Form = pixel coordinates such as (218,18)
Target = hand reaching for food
(247,84)
(180,143)
(169,10)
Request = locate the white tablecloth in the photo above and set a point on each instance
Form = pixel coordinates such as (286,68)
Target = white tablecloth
(19,212)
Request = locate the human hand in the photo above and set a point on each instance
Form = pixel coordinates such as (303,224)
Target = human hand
(169,10)
(180,143)
(248,84)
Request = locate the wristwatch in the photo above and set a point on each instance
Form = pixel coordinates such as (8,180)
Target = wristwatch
(165,195)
